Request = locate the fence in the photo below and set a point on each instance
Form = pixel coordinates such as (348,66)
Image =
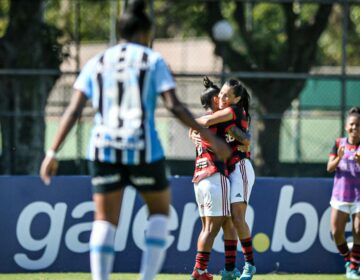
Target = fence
(308,128)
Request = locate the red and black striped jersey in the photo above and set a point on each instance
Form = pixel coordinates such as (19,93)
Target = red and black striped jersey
(206,162)
(240,120)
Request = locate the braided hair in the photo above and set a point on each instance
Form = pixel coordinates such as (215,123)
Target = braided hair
(210,91)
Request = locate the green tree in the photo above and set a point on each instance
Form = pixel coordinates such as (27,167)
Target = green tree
(276,37)
(27,43)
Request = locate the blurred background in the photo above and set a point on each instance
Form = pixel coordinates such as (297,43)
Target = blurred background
(299,59)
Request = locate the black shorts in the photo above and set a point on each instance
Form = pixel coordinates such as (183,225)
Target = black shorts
(108,177)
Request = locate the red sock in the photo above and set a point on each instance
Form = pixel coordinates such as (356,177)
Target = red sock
(344,251)
(247,250)
(230,254)
(202,260)
(355,256)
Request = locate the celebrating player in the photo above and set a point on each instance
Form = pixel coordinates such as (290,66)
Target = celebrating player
(234,105)
(344,159)
(212,192)
(123,84)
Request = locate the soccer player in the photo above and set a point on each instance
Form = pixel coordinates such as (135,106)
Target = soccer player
(123,84)
(212,194)
(344,160)
(234,105)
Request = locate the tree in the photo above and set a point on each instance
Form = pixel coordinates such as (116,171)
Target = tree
(28,43)
(283,39)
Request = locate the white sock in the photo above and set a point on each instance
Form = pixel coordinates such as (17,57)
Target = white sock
(102,249)
(155,249)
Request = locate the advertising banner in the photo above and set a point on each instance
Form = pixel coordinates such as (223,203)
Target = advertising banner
(47,228)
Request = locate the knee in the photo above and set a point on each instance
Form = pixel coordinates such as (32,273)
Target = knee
(238,222)
(356,231)
(210,233)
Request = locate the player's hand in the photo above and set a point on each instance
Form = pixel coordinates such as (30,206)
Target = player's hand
(48,169)
(341,151)
(357,157)
(194,136)
(243,148)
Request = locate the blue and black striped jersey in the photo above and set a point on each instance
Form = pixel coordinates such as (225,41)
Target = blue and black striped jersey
(123,84)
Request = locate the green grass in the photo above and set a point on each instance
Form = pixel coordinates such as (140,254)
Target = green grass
(130,276)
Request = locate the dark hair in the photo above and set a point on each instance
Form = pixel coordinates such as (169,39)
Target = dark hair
(210,91)
(354,111)
(240,90)
(134,20)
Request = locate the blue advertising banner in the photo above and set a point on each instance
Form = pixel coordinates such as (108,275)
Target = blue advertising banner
(47,228)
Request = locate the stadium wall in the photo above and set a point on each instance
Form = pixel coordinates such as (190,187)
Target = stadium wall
(47,228)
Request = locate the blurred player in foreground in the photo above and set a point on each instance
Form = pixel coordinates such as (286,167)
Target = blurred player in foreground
(344,159)
(123,84)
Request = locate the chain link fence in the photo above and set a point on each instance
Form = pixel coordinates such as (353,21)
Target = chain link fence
(308,128)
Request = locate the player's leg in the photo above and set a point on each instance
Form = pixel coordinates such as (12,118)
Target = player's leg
(230,251)
(355,251)
(242,180)
(212,195)
(338,220)
(156,232)
(204,246)
(107,196)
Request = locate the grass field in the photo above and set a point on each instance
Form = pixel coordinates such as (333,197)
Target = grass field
(129,276)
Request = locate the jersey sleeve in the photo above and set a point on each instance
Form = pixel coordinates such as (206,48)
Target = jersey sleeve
(334,149)
(163,79)
(239,117)
(83,82)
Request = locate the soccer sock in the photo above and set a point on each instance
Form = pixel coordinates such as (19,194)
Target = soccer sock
(247,250)
(230,254)
(102,249)
(355,256)
(155,246)
(344,251)
(202,260)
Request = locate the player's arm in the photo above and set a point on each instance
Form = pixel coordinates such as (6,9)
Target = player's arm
(70,116)
(240,135)
(220,116)
(173,104)
(335,159)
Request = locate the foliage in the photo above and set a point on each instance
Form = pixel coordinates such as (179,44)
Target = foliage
(4,11)
(188,19)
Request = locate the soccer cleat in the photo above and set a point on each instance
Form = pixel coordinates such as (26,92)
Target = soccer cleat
(347,269)
(353,274)
(248,272)
(229,275)
(201,275)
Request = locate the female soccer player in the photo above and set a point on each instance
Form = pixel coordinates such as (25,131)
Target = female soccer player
(212,192)
(234,105)
(123,84)
(344,159)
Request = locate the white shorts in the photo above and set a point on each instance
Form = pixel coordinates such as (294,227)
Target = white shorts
(241,181)
(212,195)
(346,207)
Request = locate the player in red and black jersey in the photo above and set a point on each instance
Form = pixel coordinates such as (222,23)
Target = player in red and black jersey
(212,194)
(234,101)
